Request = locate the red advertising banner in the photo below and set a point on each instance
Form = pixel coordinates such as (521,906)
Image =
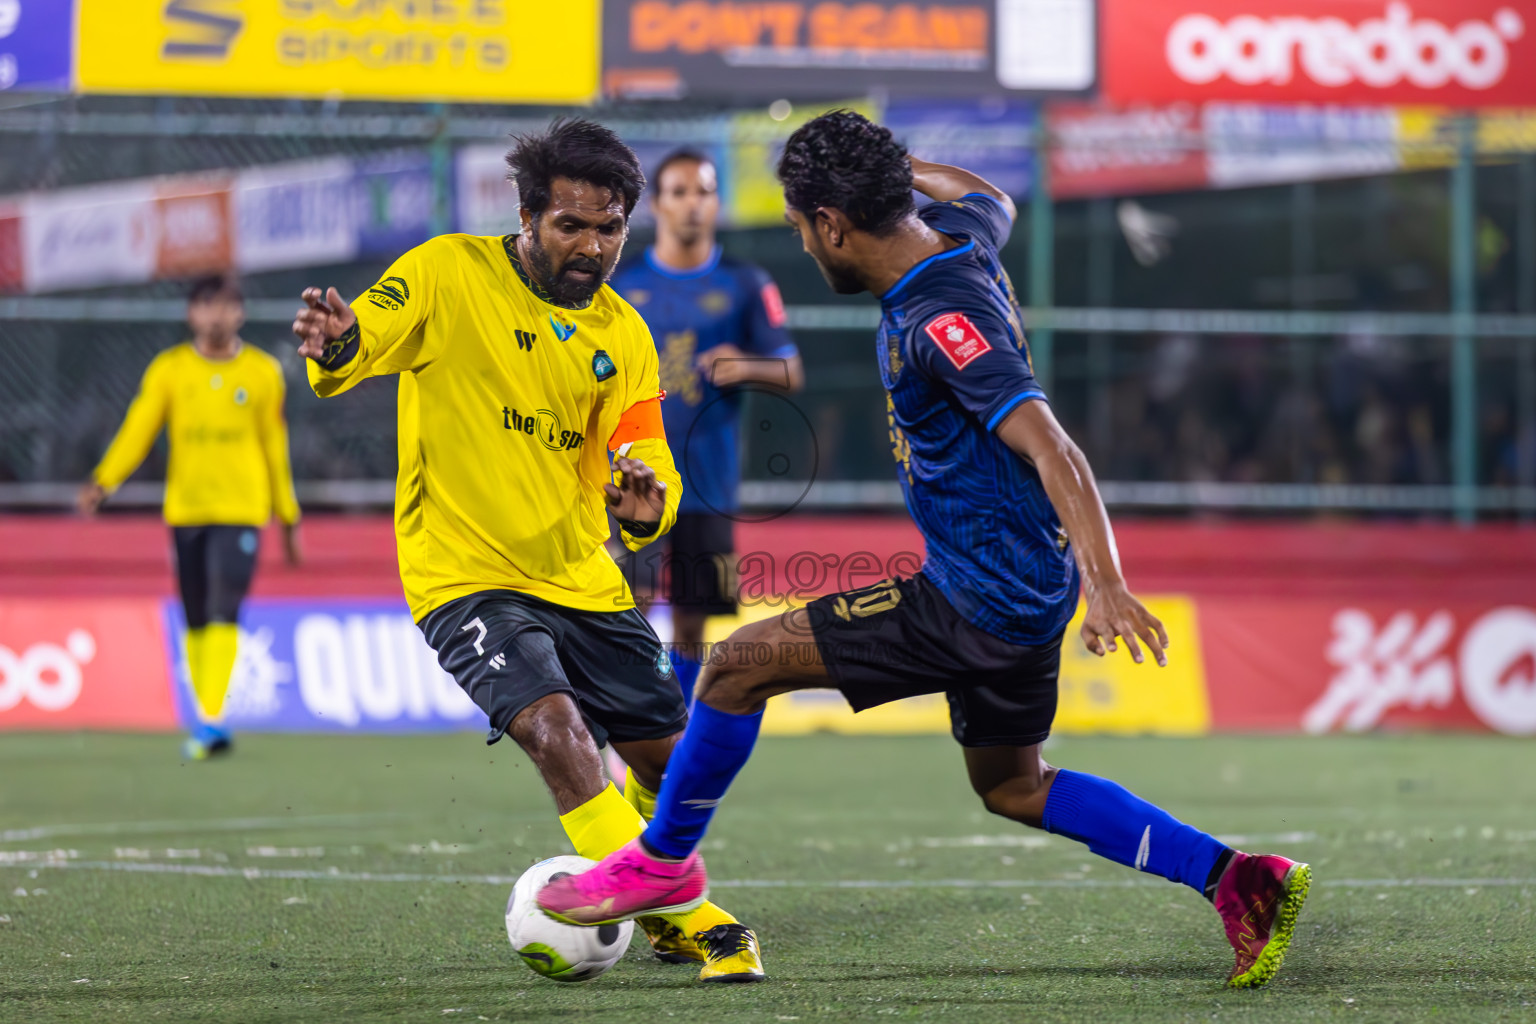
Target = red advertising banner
(1322,666)
(84,663)
(1457,53)
(12,272)
(1102,151)
(195,227)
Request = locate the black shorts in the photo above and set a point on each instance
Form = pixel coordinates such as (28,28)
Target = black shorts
(901,638)
(508,649)
(214,567)
(695,564)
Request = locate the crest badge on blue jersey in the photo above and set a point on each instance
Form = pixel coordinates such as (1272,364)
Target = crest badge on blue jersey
(563,331)
(602,366)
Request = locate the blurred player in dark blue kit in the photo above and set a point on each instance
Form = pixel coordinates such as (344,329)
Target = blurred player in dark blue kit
(718,325)
(1012,519)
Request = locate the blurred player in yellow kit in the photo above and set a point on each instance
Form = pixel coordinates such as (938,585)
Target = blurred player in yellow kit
(529,409)
(221,402)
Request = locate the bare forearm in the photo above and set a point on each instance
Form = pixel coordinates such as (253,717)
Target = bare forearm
(944,182)
(1069,484)
(781,373)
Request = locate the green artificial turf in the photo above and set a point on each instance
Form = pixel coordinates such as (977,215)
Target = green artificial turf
(172,904)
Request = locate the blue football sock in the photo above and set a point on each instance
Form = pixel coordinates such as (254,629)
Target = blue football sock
(713,749)
(687,669)
(1119,825)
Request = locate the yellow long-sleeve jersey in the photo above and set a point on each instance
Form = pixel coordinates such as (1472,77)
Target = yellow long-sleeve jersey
(229,440)
(508,409)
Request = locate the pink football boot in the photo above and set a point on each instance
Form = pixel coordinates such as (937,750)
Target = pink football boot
(625,884)
(1258,898)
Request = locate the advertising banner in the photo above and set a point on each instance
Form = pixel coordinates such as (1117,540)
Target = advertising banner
(195,226)
(788,48)
(12,269)
(393,199)
(485,202)
(508,51)
(1333,666)
(993,136)
(1106,151)
(86,663)
(295,215)
(1252,144)
(329,666)
(1455,53)
(1104,696)
(36,38)
(81,237)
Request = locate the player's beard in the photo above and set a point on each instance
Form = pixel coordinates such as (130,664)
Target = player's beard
(839,280)
(562,289)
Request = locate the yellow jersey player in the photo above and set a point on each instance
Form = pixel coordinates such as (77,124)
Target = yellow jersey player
(221,402)
(529,408)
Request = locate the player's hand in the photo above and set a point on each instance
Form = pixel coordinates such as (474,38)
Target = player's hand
(1113,612)
(291,547)
(724,365)
(324,318)
(638,495)
(90,497)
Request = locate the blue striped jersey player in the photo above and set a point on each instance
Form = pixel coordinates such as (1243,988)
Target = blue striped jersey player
(1012,519)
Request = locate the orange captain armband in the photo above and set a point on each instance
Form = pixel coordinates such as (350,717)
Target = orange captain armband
(640,422)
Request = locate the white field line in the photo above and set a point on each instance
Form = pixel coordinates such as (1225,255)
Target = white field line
(219,871)
(17,835)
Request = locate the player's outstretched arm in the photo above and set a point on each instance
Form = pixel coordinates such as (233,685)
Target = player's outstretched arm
(377,335)
(1032,431)
(943,182)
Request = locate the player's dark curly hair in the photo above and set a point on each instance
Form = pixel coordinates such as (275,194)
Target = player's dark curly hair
(845,161)
(578,149)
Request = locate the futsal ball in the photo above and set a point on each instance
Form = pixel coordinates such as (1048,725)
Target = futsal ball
(560,952)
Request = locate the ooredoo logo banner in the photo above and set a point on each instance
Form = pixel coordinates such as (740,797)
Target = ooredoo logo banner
(1458,53)
(83,664)
(1328,666)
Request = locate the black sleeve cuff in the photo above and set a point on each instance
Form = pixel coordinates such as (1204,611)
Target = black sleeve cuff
(339,353)
(639,530)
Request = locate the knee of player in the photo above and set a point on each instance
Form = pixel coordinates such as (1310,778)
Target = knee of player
(729,677)
(1021,799)
(548,724)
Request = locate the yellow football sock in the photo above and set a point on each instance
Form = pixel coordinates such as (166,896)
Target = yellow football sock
(602,824)
(607,822)
(638,797)
(195,645)
(211,673)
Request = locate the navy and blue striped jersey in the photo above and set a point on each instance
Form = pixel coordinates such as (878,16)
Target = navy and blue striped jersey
(954,363)
(690,312)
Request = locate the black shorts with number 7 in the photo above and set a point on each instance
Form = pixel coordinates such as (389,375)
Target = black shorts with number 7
(508,649)
(902,638)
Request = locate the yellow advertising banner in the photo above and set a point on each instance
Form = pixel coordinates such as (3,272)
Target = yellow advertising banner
(510,51)
(1111,695)
(1427,136)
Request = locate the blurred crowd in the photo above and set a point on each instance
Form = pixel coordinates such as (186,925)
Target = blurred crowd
(1359,409)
